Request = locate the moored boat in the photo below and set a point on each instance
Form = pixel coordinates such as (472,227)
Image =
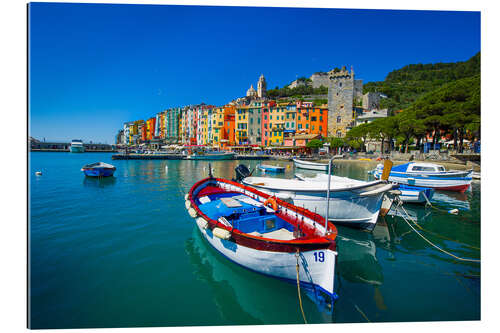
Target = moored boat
(76,146)
(428,175)
(271,168)
(99,169)
(310,165)
(285,241)
(213,155)
(414,194)
(351,202)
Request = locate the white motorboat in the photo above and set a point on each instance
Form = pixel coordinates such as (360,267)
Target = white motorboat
(428,175)
(352,202)
(310,165)
(77,146)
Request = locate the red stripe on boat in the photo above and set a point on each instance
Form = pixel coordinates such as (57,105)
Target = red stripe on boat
(266,244)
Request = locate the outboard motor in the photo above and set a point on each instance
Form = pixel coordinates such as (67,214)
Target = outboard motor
(241,173)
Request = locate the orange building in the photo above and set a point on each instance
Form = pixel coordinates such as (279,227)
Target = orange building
(150,128)
(312,120)
(228,136)
(142,131)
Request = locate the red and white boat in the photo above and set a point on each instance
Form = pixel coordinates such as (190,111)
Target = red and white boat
(266,235)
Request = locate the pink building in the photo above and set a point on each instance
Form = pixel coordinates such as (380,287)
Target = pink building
(265,126)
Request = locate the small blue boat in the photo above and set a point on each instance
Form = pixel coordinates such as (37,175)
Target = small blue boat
(99,169)
(414,194)
(271,168)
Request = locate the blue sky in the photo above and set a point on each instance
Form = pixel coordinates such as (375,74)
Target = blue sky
(94,66)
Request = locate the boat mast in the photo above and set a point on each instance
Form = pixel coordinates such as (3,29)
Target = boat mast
(328,194)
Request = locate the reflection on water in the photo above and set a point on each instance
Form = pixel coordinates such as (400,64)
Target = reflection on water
(256,298)
(357,260)
(450,199)
(135,235)
(99,181)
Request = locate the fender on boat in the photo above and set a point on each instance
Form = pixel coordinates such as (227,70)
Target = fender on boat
(186,196)
(193,213)
(188,204)
(221,233)
(202,223)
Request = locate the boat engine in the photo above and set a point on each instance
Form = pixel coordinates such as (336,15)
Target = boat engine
(241,173)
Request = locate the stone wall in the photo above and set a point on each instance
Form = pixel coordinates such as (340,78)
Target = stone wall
(371,101)
(320,79)
(358,88)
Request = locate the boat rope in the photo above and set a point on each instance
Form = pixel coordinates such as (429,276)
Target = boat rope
(426,199)
(298,287)
(428,241)
(400,203)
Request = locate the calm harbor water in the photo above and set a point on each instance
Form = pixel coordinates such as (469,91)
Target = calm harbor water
(124,252)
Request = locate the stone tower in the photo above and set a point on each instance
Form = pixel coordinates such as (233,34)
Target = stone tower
(342,90)
(261,87)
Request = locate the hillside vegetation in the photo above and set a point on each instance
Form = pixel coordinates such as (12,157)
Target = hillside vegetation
(404,86)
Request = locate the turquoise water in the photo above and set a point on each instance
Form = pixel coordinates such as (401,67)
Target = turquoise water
(124,252)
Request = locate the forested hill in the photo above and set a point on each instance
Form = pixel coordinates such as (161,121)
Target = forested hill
(405,85)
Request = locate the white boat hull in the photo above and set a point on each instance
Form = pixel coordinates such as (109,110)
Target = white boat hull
(77,149)
(441,184)
(310,165)
(313,273)
(346,207)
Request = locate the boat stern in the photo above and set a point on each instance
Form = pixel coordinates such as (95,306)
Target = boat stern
(317,275)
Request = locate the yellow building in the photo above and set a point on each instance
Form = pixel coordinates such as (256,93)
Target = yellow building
(134,131)
(241,125)
(217,126)
(276,124)
(162,125)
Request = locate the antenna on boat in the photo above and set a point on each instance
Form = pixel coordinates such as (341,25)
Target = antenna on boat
(328,194)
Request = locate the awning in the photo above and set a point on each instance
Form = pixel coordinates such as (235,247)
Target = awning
(458,142)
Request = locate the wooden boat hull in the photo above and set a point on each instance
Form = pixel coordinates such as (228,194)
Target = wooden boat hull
(276,258)
(99,172)
(281,265)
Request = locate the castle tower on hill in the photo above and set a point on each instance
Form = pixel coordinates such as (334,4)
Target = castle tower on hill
(261,87)
(342,91)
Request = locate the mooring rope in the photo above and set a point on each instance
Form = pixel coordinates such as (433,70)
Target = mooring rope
(298,287)
(429,204)
(400,204)
(428,241)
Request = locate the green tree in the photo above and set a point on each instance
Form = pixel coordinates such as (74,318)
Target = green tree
(336,143)
(360,132)
(314,144)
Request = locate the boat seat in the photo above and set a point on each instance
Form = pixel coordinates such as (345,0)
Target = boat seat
(281,234)
(205,199)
